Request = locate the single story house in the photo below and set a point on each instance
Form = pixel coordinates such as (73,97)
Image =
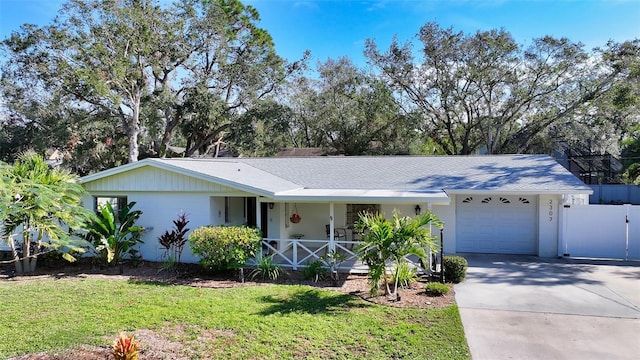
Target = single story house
(508,204)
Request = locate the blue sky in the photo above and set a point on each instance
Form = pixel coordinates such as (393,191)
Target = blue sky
(334,28)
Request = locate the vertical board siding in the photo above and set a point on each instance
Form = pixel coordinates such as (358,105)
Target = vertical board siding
(153,179)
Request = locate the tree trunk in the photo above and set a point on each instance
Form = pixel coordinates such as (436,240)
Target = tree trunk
(29,260)
(134,130)
(16,258)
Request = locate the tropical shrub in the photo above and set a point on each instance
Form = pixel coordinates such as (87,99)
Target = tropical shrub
(40,207)
(455,268)
(225,247)
(436,289)
(384,241)
(114,233)
(266,269)
(315,271)
(405,274)
(173,241)
(125,348)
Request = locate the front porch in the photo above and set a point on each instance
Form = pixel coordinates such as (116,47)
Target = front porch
(295,254)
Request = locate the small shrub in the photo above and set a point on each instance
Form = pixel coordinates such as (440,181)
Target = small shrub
(266,269)
(225,247)
(169,263)
(173,241)
(405,274)
(455,268)
(315,271)
(125,348)
(436,289)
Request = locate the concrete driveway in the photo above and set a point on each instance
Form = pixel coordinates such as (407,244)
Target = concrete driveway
(523,307)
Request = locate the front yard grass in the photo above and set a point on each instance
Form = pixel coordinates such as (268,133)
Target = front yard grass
(249,322)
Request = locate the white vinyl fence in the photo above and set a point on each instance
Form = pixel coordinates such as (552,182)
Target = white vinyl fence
(601,231)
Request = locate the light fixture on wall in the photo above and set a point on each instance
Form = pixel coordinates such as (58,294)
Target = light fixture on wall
(418,209)
(271,205)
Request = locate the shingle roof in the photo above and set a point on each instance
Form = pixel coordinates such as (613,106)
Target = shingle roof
(409,173)
(418,173)
(399,176)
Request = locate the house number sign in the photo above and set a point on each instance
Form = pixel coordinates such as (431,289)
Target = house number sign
(550,209)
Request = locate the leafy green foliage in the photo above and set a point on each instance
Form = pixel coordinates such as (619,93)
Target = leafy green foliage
(505,111)
(315,271)
(114,233)
(392,240)
(266,269)
(117,68)
(436,289)
(455,268)
(173,241)
(225,247)
(40,207)
(348,111)
(405,274)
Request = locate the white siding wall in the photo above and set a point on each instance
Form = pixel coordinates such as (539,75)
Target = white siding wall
(447,214)
(314,218)
(216,210)
(158,213)
(548,220)
(273,221)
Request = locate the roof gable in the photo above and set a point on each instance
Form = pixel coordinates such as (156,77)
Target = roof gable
(150,178)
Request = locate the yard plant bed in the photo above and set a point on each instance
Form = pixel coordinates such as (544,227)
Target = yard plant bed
(78,312)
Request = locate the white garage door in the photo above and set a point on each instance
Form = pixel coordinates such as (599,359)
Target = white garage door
(497,224)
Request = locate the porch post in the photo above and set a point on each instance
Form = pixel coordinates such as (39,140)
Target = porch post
(258,213)
(332,245)
(259,226)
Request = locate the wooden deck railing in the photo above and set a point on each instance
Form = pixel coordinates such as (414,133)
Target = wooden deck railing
(299,253)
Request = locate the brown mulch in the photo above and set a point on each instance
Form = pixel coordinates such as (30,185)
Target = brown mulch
(159,347)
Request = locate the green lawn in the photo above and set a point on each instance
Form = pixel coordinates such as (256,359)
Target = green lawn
(254,322)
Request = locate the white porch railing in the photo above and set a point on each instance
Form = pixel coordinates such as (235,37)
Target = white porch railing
(299,253)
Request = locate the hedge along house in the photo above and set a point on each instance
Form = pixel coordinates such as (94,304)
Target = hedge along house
(489,204)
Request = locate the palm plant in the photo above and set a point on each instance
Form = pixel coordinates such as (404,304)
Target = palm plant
(385,241)
(40,207)
(113,233)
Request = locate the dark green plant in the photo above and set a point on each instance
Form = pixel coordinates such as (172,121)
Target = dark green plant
(225,247)
(455,268)
(405,274)
(384,241)
(315,271)
(266,269)
(114,233)
(173,241)
(436,289)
